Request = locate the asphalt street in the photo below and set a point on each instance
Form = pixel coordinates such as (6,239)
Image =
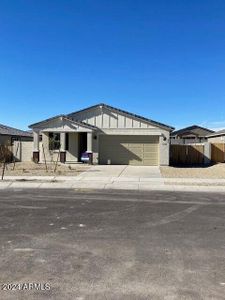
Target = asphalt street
(111,245)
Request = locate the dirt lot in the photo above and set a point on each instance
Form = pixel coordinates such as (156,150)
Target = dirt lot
(32,169)
(216,171)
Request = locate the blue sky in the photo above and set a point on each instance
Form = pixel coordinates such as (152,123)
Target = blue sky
(161,59)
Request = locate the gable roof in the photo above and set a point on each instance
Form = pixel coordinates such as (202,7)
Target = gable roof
(126,113)
(194,129)
(7,130)
(64,117)
(217,133)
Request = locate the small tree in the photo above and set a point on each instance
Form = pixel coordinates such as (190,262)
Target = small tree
(54,144)
(5,157)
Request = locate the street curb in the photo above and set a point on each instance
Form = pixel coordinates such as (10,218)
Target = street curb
(131,186)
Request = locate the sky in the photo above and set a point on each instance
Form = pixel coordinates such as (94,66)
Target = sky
(161,59)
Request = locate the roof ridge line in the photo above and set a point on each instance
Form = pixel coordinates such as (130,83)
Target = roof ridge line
(125,112)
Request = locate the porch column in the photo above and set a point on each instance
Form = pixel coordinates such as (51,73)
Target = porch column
(36,155)
(62,147)
(89,141)
(89,146)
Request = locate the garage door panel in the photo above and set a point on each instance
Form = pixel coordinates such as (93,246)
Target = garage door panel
(150,155)
(133,150)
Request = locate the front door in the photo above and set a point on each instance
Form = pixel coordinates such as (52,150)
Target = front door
(82,144)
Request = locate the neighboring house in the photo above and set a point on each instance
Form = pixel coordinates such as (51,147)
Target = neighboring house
(217,137)
(9,134)
(190,135)
(114,136)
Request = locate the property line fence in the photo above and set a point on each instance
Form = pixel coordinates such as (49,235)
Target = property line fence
(218,152)
(186,154)
(194,154)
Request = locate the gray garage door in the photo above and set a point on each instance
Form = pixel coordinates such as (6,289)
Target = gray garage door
(129,150)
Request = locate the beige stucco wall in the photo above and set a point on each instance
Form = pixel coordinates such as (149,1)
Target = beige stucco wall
(108,122)
(182,141)
(164,149)
(6,139)
(217,139)
(44,150)
(122,124)
(23,150)
(71,154)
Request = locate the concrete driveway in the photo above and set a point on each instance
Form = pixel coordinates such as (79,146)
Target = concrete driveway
(120,177)
(121,172)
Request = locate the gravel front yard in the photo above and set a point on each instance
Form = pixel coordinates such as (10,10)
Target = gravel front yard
(212,172)
(32,169)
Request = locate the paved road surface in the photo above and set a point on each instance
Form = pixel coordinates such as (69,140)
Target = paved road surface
(112,245)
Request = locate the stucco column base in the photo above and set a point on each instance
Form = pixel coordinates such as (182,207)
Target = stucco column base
(63,156)
(36,157)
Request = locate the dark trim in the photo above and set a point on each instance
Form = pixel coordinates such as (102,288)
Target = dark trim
(67,141)
(36,157)
(63,156)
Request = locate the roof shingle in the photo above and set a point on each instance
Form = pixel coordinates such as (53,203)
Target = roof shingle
(7,130)
(194,129)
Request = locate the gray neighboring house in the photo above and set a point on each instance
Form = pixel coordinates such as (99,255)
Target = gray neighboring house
(190,135)
(9,134)
(112,135)
(217,137)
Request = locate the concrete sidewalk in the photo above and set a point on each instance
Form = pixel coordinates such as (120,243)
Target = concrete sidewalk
(114,183)
(115,177)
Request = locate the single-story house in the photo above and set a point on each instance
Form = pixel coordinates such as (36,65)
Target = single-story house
(112,135)
(190,135)
(217,137)
(9,134)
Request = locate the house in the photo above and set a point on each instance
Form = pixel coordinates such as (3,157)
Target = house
(217,137)
(190,135)
(9,134)
(111,135)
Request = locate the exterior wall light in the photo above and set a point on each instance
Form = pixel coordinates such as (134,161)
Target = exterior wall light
(164,137)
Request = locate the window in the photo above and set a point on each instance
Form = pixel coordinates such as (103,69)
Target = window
(54,141)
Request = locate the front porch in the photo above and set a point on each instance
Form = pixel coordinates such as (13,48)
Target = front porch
(62,140)
(66,147)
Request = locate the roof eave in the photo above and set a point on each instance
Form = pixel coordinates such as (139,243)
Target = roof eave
(63,117)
